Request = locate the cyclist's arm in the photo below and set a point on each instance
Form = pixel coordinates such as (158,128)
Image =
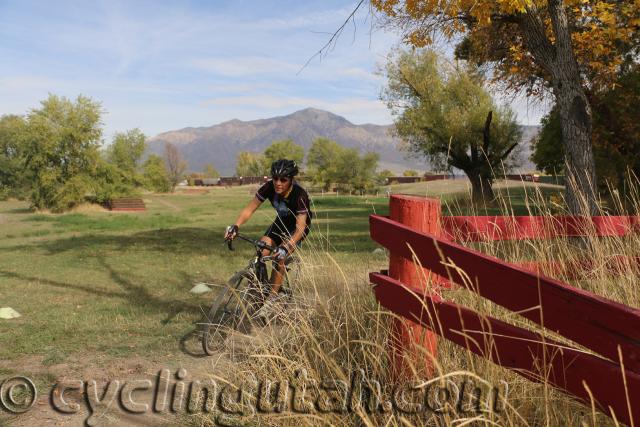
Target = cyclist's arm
(301,224)
(246,213)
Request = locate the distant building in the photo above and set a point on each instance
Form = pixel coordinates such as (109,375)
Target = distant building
(410,179)
(228,181)
(208,182)
(524,177)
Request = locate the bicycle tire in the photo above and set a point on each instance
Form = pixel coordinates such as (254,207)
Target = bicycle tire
(232,307)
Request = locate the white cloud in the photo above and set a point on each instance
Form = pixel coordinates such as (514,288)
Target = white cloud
(244,65)
(304,21)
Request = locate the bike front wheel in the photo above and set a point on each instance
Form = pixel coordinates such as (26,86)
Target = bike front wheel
(231,310)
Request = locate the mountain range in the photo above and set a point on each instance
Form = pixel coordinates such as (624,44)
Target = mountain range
(220,144)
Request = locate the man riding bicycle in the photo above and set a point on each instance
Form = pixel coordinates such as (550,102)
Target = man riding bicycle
(290,227)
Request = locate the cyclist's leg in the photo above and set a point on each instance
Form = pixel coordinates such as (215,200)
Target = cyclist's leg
(271,237)
(278,273)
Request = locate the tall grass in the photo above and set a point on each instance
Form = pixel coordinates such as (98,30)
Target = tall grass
(336,328)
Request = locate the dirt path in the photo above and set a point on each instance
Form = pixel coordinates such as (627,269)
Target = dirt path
(111,379)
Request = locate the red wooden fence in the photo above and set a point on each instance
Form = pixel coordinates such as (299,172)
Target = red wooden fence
(607,328)
(477,228)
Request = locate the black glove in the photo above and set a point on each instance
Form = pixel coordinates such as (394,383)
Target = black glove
(280,253)
(231,232)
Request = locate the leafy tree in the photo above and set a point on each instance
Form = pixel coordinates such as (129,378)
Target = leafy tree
(285,149)
(61,151)
(109,183)
(445,114)
(616,134)
(156,175)
(330,163)
(13,181)
(210,172)
(175,164)
(548,153)
(410,172)
(354,172)
(616,131)
(562,45)
(250,164)
(125,153)
(322,161)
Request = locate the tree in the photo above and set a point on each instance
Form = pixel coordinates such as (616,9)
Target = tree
(13,181)
(410,172)
(354,172)
(616,134)
(175,164)
(210,172)
(563,45)
(61,151)
(108,182)
(285,149)
(445,114)
(330,163)
(548,151)
(250,164)
(322,160)
(125,153)
(156,175)
(616,131)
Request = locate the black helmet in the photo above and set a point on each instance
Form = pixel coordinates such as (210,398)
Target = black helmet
(284,167)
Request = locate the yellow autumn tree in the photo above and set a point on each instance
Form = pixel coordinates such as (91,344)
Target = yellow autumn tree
(570,47)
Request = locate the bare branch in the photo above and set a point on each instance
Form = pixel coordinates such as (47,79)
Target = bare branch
(486,135)
(334,38)
(509,150)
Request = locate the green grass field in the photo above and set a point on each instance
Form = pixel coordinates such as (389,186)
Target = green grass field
(98,289)
(124,277)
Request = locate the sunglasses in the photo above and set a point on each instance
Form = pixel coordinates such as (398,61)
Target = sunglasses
(280,179)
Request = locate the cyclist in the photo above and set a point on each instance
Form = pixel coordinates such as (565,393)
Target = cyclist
(290,227)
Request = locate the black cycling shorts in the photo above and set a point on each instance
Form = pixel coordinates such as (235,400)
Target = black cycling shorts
(278,231)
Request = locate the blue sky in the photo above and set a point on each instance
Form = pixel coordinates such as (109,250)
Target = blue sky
(166,65)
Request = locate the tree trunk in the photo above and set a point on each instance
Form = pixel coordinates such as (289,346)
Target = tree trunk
(580,174)
(558,59)
(481,189)
(575,114)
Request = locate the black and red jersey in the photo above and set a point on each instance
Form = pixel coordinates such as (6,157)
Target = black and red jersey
(296,202)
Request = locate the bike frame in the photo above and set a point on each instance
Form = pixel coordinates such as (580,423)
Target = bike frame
(258,264)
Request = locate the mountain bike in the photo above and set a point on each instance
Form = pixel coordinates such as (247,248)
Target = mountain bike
(235,306)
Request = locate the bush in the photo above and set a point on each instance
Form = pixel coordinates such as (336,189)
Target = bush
(109,183)
(156,177)
(62,140)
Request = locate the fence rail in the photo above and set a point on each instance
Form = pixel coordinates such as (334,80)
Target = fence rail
(608,328)
(477,228)
(529,354)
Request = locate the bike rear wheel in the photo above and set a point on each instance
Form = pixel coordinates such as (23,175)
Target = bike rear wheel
(232,309)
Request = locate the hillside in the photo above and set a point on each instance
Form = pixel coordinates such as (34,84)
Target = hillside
(220,144)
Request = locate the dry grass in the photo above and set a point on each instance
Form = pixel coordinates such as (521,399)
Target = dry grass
(460,187)
(339,329)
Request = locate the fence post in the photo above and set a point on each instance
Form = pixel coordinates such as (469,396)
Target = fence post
(421,214)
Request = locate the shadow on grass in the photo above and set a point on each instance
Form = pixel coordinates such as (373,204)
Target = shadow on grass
(132,293)
(187,240)
(193,241)
(20,211)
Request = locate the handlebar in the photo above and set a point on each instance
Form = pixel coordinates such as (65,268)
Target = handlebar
(257,243)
